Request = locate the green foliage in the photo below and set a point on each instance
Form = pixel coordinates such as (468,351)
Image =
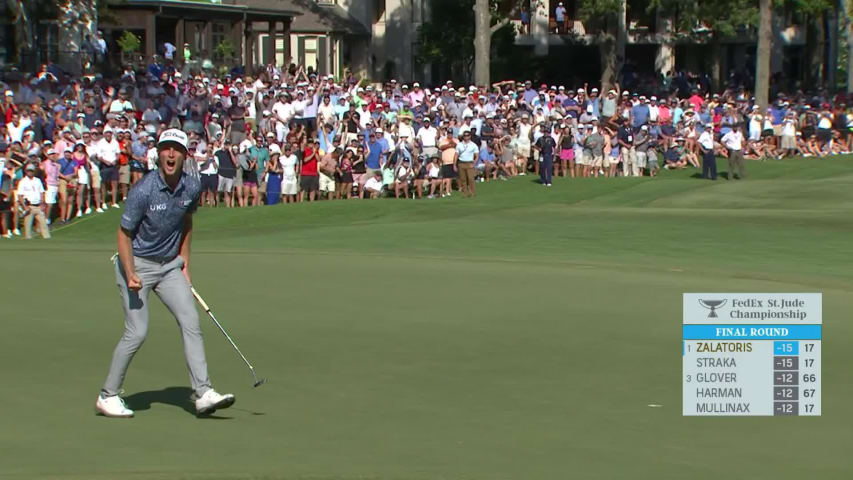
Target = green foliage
(224,49)
(129,42)
(810,7)
(593,9)
(448,39)
(449,36)
(723,18)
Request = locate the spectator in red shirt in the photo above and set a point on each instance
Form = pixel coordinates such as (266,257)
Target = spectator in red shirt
(309,176)
(124,161)
(9,107)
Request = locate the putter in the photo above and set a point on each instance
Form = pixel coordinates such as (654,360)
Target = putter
(258,382)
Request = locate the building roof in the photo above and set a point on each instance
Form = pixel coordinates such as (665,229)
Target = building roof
(254,7)
(317,18)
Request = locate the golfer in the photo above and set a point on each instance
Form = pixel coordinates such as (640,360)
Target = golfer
(154,251)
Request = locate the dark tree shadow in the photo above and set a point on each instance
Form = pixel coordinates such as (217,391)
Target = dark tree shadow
(175,396)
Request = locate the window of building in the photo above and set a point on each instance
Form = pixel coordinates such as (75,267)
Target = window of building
(219,32)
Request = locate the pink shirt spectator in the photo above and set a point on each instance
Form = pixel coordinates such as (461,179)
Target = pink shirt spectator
(51,172)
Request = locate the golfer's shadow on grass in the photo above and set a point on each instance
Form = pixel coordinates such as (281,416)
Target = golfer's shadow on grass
(175,396)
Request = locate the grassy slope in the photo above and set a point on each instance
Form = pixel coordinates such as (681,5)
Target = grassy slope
(518,335)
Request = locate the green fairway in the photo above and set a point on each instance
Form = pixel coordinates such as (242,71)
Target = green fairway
(519,335)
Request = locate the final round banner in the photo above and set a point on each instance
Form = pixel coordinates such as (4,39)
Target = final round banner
(751,354)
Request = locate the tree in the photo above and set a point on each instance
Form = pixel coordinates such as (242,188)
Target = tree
(487,21)
(448,39)
(75,18)
(849,29)
(817,55)
(710,21)
(611,16)
(762,55)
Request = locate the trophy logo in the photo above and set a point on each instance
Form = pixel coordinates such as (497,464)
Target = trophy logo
(712,305)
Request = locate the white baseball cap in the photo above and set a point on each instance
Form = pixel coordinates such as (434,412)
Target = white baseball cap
(275,149)
(175,137)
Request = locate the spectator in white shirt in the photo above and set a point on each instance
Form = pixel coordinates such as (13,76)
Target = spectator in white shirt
(734,141)
(373,186)
(427,138)
(709,162)
(31,194)
(108,152)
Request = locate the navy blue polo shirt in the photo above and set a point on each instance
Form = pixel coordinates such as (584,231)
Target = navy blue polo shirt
(155,215)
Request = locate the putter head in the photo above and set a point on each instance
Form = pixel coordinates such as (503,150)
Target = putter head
(260,382)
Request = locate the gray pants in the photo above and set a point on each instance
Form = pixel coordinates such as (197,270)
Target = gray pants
(736,164)
(168,282)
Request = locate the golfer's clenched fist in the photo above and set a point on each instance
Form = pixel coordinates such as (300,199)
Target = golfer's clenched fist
(134,282)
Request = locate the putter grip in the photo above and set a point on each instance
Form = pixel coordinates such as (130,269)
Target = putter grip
(200,300)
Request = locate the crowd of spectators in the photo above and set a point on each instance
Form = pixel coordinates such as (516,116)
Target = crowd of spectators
(70,147)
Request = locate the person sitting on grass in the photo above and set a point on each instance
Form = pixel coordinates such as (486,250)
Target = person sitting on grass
(434,176)
(373,186)
(388,178)
(676,156)
(486,163)
(419,171)
(402,174)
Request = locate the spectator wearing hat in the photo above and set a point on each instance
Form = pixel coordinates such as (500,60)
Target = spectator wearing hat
(709,161)
(546,146)
(561,19)
(227,166)
(208,169)
(402,176)
(108,153)
(625,135)
(259,153)
(735,143)
(50,169)
(466,154)
(82,177)
(290,168)
(9,107)
(31,195)
(523,143)
(67,182)
(273,170)
(125,154)
(447,147)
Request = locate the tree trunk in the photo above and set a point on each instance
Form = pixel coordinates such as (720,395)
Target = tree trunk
(832,22)
(24,40)
(716,64)
(848,9)
(611,47)
(482,42)
(815,51)
(762,55)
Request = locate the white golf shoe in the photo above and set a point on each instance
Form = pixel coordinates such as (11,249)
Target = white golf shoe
(211,401)
(112,406)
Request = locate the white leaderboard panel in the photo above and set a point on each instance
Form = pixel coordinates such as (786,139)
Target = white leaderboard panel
(751,353)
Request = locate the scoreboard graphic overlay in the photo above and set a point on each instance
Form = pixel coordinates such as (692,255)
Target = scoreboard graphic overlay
(749,354)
